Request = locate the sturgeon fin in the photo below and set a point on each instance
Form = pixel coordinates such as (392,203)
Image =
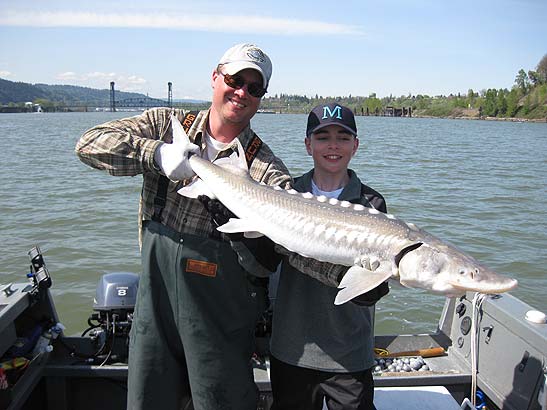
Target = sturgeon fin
(358,274)
(357,281)
(196,188)
(236,225)
(236,163)
(179,135)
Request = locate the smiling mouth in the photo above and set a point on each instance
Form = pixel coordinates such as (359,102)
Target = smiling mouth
(236,104)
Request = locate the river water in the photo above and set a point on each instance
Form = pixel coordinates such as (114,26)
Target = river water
(480,185)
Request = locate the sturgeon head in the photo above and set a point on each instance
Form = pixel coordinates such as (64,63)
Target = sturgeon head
(426,262)
(442,268)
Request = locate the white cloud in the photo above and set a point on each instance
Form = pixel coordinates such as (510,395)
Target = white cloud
(133,79)
(99,75)
(5,74)
(176,21)
(97,79)
(66,76)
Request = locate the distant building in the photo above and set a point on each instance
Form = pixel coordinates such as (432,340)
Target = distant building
(30,106)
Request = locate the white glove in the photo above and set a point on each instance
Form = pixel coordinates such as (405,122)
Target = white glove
(173,158)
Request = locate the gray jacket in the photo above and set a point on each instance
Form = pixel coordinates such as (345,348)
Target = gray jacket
(308,329)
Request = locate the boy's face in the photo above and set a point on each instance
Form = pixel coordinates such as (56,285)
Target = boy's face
(332,148)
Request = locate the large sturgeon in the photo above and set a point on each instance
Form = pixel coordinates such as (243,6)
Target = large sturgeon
(376,246)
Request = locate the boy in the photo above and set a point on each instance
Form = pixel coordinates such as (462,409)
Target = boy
(320,351)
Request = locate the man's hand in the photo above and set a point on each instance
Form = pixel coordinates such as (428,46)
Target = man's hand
(219,213)
(263,257)
(172,158)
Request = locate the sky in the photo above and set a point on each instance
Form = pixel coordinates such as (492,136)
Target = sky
(323,47)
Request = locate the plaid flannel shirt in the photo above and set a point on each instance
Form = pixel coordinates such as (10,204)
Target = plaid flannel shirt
(126,147)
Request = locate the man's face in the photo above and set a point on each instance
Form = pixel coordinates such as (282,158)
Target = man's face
(235,105)
(332,148)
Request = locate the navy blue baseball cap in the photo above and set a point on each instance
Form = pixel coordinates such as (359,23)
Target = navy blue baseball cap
(331,114)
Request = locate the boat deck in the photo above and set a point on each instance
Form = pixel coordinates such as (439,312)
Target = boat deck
(511,364)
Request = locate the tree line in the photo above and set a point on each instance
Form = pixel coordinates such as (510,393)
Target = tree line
(526,99)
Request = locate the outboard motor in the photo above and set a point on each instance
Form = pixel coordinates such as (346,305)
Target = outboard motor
(116,294)
(114,303)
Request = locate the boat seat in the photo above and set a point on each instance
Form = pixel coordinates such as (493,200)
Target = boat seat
(414,398)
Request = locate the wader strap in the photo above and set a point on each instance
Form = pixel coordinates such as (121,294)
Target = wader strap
(252,149)
(163,182)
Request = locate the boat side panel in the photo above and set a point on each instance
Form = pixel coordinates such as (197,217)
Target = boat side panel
(511,351)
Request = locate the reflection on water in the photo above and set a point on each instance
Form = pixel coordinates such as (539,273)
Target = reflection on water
(480,185)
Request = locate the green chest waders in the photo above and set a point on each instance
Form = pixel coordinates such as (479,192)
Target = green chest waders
(194,325)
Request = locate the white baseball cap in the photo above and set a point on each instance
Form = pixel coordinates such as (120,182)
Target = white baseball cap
(242,56)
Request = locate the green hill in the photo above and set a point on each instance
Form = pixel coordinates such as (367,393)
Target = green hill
(18,92)
(12,92)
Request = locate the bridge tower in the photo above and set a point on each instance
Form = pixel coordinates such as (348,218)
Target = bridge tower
(112,97)
(169,94)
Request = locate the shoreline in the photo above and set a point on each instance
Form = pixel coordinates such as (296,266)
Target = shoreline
(446,117)
(455,117)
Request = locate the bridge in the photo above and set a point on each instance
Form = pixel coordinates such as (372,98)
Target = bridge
(143,103)
(140,103)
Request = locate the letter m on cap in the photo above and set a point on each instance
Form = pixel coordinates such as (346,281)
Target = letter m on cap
(337,112)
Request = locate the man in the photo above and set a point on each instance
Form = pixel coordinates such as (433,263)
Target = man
(322,352)
(196,306)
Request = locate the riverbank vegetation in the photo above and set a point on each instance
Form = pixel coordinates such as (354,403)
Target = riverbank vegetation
(527,99)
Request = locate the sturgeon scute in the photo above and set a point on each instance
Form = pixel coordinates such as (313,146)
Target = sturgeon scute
(376,246)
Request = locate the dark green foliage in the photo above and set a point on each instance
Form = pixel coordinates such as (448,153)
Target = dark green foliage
(12,92)
(17,92)
(541,70)
(522,82)
(490,108)
(501,103)
(512,103)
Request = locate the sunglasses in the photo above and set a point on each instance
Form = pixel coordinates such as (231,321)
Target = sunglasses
(236,81)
